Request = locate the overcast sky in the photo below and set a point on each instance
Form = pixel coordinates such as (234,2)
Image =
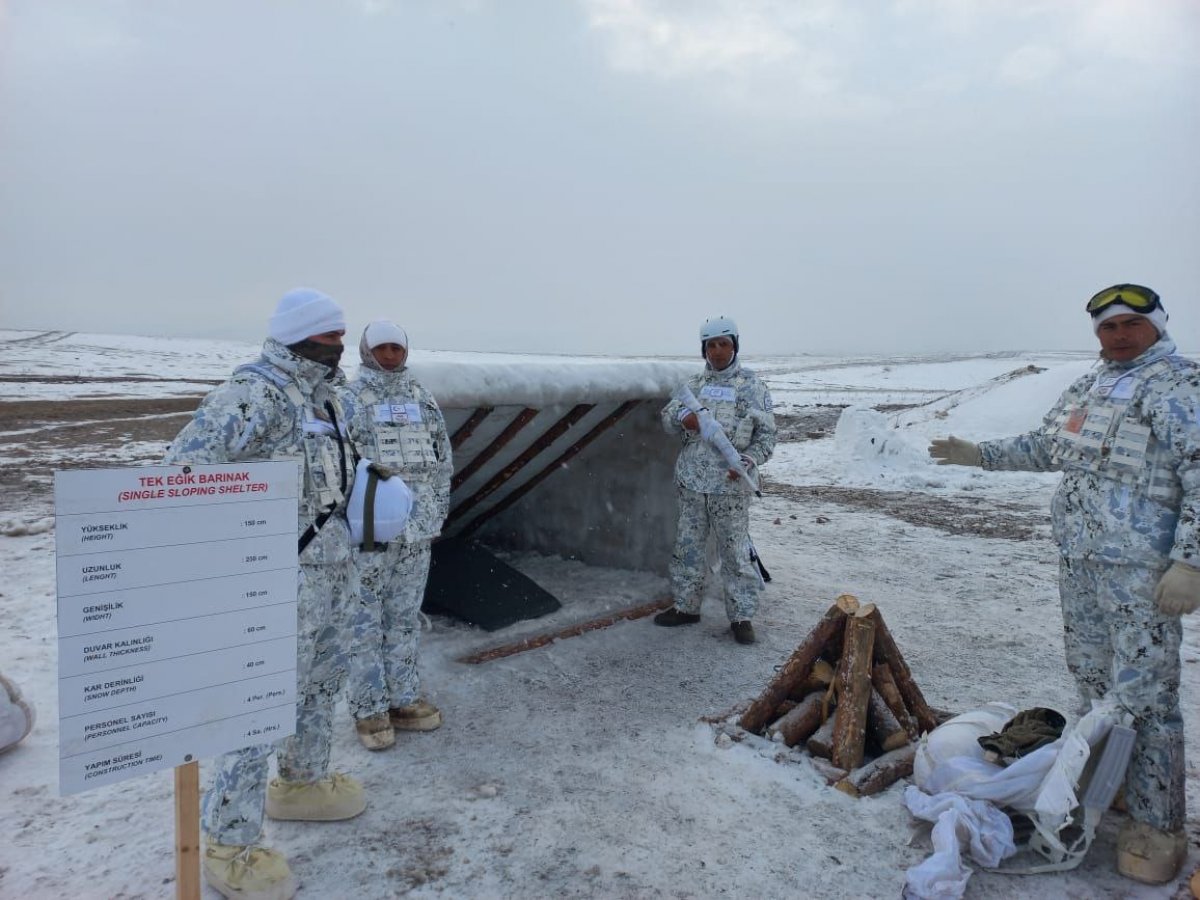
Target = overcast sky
(599,176)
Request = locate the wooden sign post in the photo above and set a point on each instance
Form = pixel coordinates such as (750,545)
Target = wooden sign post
(187,831)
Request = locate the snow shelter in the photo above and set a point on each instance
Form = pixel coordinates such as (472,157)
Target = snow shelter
(559,456)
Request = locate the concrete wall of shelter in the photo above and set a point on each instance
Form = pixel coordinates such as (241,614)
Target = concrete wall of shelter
(615,504)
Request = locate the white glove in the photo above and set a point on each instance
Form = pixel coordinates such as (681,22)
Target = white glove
(1178,591)
(954,451)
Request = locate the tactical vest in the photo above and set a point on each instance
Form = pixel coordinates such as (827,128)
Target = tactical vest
(401,436)
(1106,433)
(323,481)
(722,402)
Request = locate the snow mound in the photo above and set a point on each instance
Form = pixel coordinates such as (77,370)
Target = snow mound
(19,527)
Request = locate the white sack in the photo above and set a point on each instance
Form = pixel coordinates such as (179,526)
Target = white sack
(964,793)
(983,829)
(17,715)
(1044,781)
(393,504)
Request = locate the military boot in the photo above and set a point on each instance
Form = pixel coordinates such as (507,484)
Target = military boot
(375,732)
(743,631)
(1149,854)
(420,715)
(671,617)
(248,872)
(331,799)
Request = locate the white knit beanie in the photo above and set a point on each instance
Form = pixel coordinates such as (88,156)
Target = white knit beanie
(384,332)
(303,312)
(379,332)
(1157,317)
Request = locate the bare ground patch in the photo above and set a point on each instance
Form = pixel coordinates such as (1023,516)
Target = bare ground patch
(40,436)
(21,414)
(973,516)
(807,423)
(101,379)
(811,423)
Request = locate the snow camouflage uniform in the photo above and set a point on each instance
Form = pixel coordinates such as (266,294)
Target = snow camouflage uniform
(741,404)
(268,410)
(396,422)
(1127,437)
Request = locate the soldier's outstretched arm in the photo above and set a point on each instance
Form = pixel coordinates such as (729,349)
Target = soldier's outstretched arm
(1028,452)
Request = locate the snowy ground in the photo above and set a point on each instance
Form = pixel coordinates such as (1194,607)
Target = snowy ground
(581,769)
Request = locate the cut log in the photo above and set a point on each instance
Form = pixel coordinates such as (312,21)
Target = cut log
(847,603)
(879,774)
(882,728)
(853,689)
(794,671)
(818,679)
(799,724)
(821,742)
(541,640)
(887,651)
(885,684)
(827,770)
(785,707)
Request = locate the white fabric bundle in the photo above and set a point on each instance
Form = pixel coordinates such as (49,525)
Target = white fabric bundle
(17,715)
(393,505)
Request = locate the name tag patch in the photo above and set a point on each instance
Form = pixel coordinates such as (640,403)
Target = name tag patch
(718,394)
(1118,387)
(398,413)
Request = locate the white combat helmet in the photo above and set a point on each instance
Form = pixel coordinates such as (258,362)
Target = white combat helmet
(721,326)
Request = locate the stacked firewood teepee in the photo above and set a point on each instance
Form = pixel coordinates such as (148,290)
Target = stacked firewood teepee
(847,695)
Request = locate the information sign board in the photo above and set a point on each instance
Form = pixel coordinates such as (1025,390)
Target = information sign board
(176,615)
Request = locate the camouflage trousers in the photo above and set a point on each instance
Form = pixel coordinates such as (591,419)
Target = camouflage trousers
(234,804)
(1118,644)
(385,627)
(727,517)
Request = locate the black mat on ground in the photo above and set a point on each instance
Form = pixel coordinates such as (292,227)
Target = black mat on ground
(468,582)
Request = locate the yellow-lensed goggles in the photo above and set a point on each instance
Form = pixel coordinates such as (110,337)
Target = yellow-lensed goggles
(1139,299)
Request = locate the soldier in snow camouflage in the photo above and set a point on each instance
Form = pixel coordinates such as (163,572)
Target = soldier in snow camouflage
(1127,437)
(711,496)
(284,407)
(394,421)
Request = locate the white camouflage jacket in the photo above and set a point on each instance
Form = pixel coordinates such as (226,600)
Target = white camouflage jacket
(395,421)
(1127,438)
(741,404)
(276,409)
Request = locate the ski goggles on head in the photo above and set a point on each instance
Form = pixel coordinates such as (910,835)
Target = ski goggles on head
(1139,299)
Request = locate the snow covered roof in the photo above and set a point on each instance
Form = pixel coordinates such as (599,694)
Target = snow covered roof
(547,381)
(516,420)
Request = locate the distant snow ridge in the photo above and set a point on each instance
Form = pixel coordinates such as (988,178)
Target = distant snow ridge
(941,407)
